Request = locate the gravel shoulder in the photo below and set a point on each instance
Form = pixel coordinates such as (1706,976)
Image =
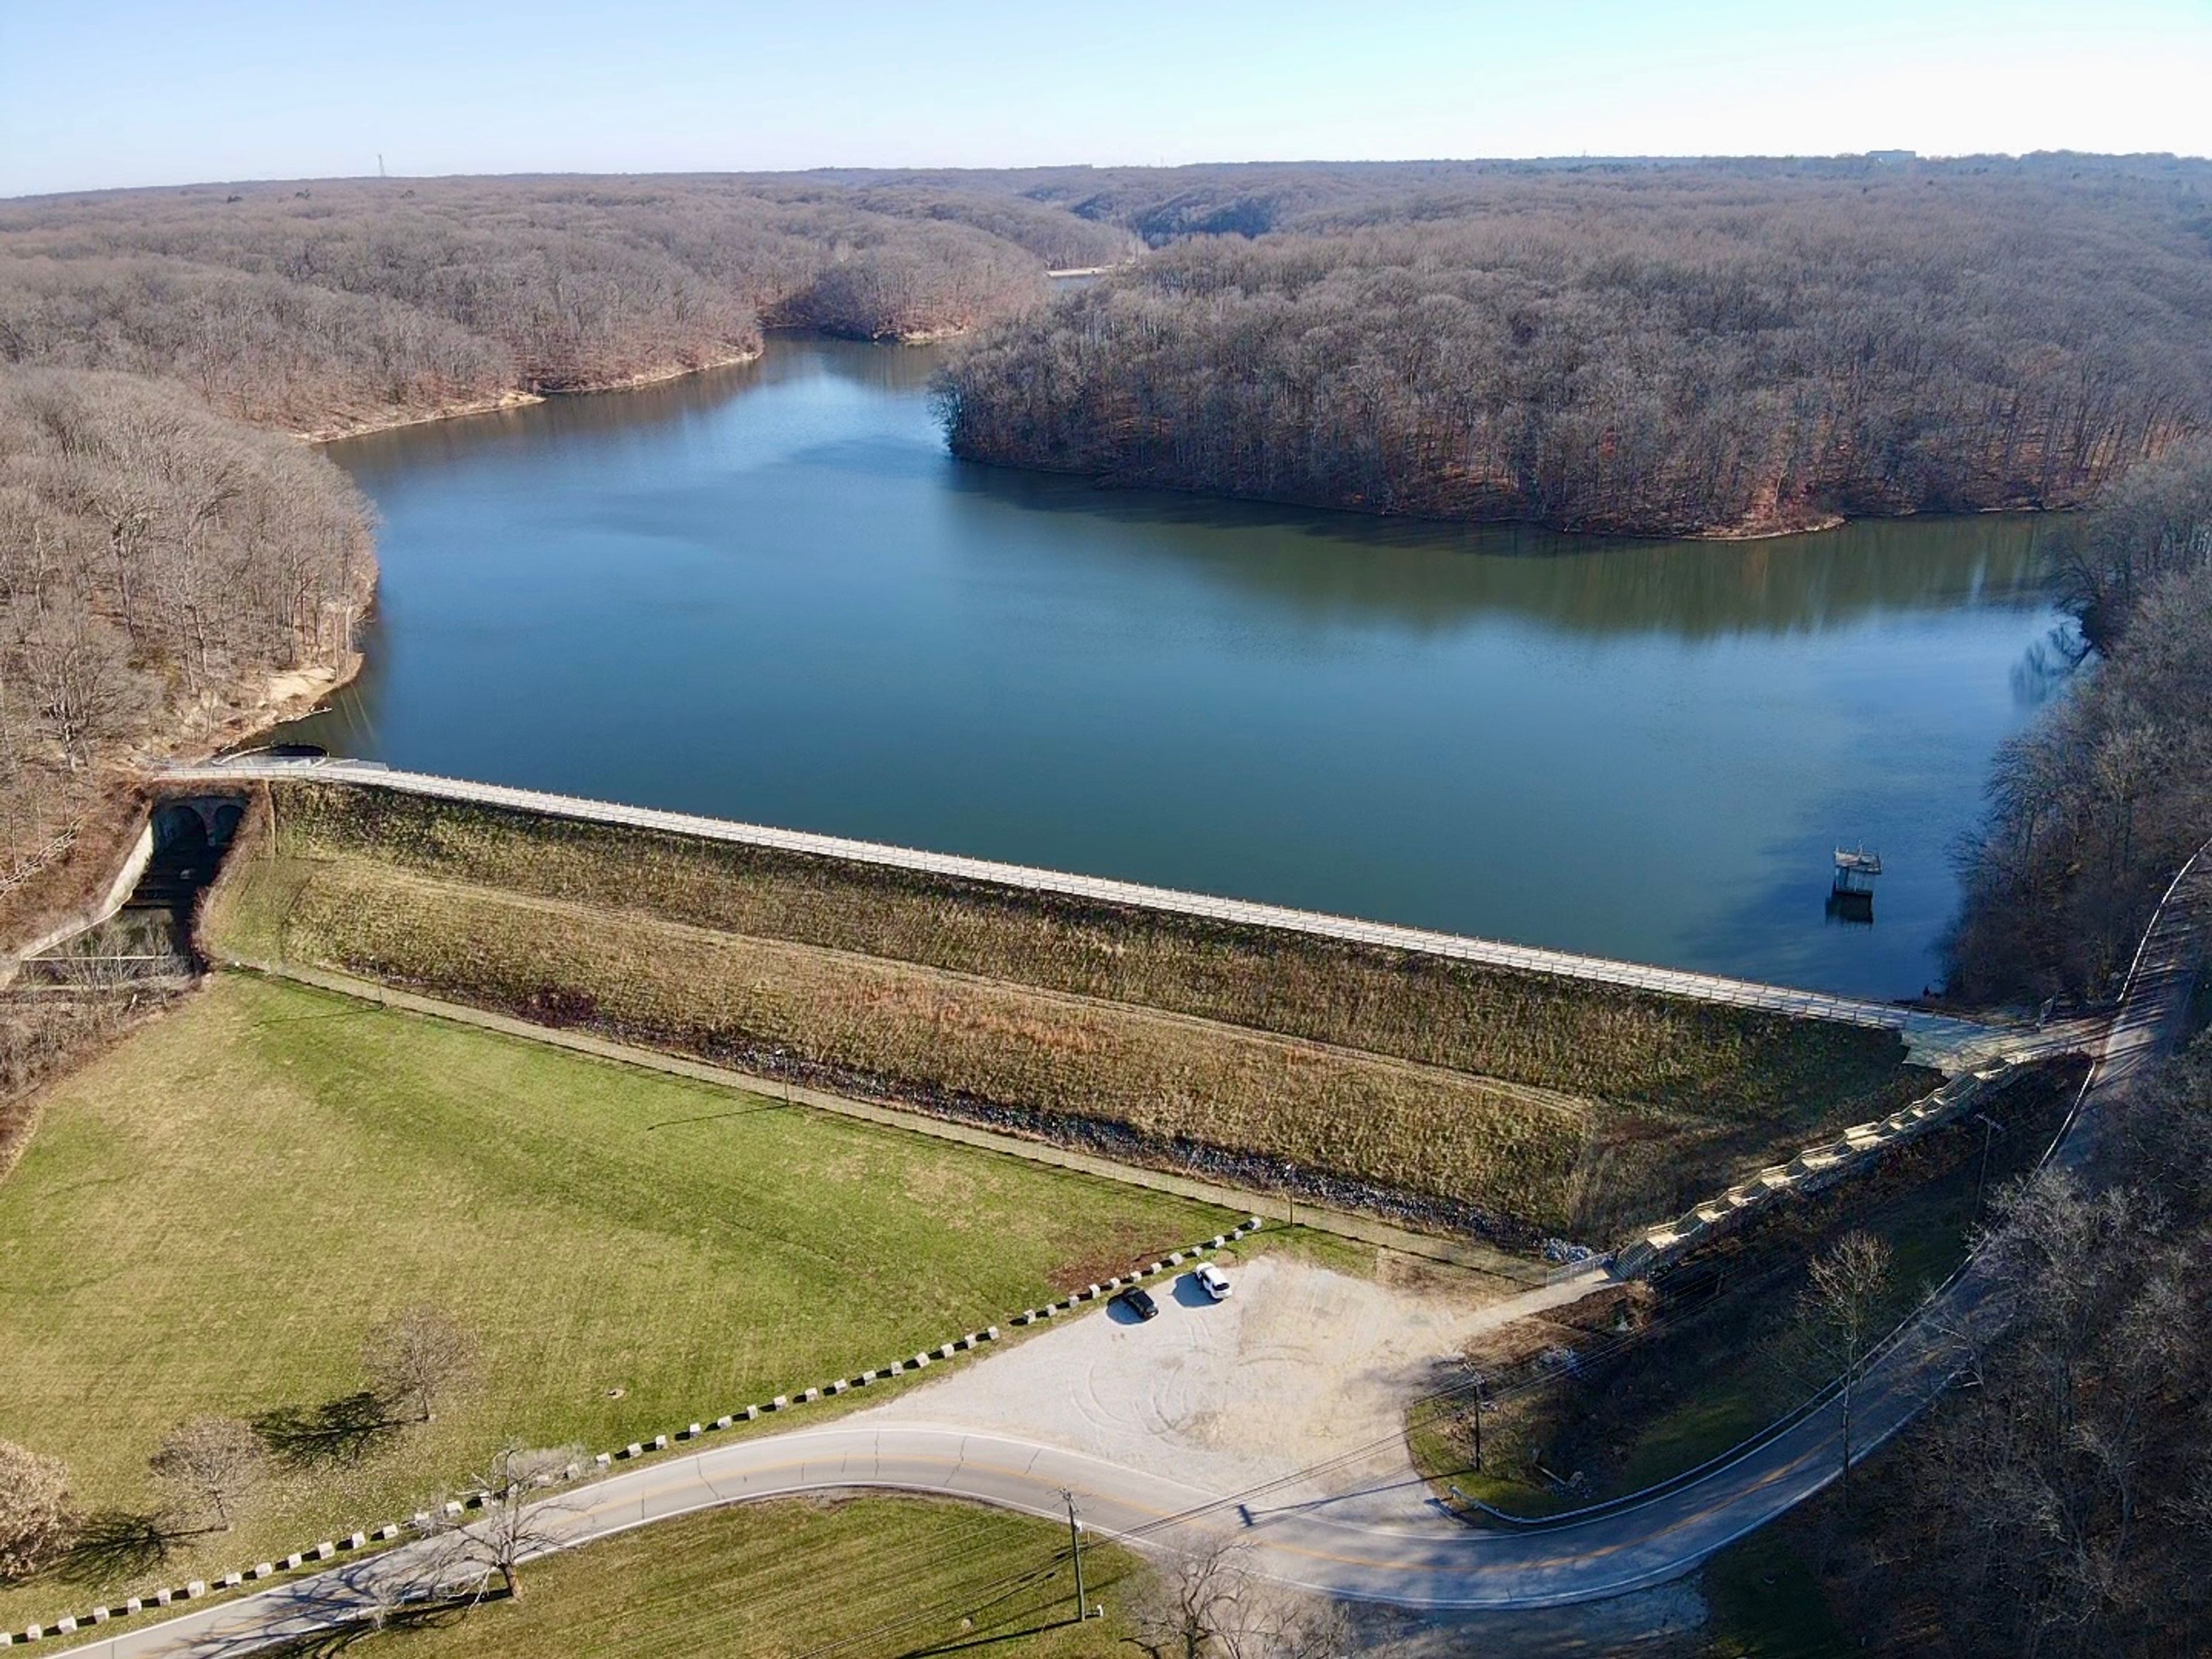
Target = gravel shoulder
(1301,1377)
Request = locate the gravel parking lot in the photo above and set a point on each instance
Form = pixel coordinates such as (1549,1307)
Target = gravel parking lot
(1301,1366)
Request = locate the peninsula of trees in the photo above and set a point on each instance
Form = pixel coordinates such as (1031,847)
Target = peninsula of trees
(335,306)
(1696,348)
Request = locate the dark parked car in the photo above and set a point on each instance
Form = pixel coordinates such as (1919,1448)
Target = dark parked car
(1139,1301)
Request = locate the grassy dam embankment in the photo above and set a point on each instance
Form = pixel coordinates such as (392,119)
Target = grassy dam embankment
(1438,1090)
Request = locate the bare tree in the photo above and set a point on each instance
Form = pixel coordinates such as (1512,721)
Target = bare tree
(37,1517)
(1209,1604)
(515,1517)
(1839,1317)
(210,1465)
(418,1357)
(1191,1602)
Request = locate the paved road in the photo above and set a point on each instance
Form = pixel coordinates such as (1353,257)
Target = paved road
(1933,1038)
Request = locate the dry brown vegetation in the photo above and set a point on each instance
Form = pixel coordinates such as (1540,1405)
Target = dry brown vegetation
(339,304)
(1661,1054)
(1429,1088)
(45,1034)
(161,568)
(1654,348)
(2093,809)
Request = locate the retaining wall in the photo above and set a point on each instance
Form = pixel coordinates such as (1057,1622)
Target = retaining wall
(1816,1167)
(119,893)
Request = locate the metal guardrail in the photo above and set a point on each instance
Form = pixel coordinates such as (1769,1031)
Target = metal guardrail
(2166,920)
(1669,981)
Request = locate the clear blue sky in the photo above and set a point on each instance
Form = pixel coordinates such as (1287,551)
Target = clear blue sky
(99,92)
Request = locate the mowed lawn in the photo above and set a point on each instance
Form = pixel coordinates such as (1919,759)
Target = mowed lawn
(210,1217)
(864,1578)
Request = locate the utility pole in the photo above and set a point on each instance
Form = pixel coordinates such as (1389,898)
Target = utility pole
(1478,1422)
(1075,1549)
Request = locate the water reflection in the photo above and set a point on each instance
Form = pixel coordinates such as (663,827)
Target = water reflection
(766,592)
(1424,574)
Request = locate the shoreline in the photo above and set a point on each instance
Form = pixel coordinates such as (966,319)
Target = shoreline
(1722,536)
(1819,524)
(505,401)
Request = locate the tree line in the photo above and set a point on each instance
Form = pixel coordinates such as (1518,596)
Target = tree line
(1667,350)
(158,565)
(2061,1500)
(334,305)
(160,559)
(2058,1499)
(2093,809)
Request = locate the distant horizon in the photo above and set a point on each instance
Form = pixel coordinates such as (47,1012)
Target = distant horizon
(114,95)
(1650,157)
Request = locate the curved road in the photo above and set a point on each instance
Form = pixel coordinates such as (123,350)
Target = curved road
(1427,1560)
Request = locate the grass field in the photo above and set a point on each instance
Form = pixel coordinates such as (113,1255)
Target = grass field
(864,1578)
(1522,1103)
(1509,1152)
(212,1215)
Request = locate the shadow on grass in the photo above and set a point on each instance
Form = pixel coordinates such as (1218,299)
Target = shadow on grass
(113,1544)
(992,1640)
(348,1430)
(436,1615)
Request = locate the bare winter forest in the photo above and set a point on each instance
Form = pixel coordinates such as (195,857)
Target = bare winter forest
(1729,346)
(331,305)
(165,555)
(2095,807)
(1663,347)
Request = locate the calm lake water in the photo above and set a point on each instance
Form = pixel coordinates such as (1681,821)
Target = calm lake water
(768,593)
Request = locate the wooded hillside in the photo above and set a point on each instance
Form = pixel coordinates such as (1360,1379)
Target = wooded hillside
(161,559)
(2094,808)
(159,565)
(1700,347)
(330,305)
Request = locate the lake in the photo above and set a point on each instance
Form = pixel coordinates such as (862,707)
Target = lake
(767,593)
